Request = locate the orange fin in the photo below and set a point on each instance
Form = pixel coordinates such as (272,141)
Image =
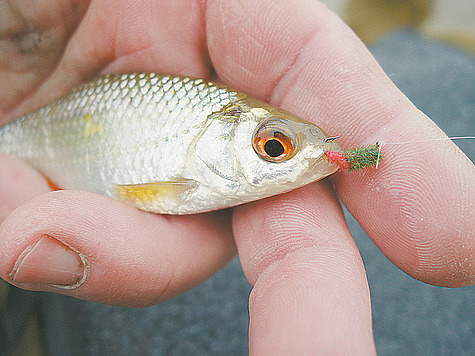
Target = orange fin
(52,184)
(147,195)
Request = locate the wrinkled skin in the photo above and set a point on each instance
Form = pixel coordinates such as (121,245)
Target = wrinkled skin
(295,54)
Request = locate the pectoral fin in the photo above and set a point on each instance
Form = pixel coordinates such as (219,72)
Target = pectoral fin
(154,196)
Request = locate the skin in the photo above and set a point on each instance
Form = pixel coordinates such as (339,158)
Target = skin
(310,290)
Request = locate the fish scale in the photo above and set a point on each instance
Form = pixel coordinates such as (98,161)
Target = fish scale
(164,143)
(56,125)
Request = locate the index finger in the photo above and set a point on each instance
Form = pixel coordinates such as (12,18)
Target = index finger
(417,207)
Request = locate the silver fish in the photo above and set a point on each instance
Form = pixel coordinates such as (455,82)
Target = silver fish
(169,144)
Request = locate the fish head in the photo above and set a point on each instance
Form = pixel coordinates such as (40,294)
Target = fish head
(277,151)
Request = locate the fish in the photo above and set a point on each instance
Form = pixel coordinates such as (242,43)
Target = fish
(169,144)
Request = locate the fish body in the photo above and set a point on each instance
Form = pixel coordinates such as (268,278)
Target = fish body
(169,144)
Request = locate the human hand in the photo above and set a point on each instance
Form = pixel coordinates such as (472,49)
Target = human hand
(310,290)
(125,256)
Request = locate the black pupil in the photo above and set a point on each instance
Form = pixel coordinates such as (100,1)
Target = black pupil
(274,148)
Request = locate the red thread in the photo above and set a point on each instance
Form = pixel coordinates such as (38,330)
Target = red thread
(338,159)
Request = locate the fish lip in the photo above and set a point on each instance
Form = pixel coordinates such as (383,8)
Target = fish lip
(324,146)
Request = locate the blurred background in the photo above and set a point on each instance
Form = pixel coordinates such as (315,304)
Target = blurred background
(428,48)
(451,21)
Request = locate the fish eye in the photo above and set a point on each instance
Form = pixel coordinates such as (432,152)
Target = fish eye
(273,141)
(274,148)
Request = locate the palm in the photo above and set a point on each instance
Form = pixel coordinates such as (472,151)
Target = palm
(56,46)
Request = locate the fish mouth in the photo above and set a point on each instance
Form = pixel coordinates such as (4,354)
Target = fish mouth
(320,165)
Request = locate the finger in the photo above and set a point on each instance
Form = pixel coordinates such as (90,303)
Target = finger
(310,292)
(94,248)
(126,36)
(18,184)
(417,207)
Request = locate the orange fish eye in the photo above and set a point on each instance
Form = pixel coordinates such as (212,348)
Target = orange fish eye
(273,143)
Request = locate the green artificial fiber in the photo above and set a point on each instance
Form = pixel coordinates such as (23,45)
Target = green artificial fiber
(362,157)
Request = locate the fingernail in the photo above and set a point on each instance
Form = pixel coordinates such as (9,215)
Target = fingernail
(49,262)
